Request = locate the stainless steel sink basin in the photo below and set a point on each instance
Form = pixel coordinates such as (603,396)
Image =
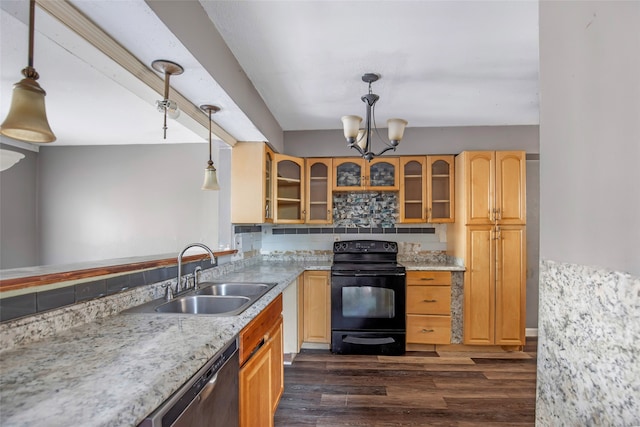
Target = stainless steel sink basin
(199,304)
(235,289)
(211,299)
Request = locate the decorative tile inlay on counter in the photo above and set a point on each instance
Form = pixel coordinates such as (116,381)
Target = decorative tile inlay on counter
(588,347)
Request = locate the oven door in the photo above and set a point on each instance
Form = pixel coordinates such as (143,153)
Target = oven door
(368,301)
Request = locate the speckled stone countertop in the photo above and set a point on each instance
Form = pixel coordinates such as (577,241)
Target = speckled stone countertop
(116,370)
(420,266)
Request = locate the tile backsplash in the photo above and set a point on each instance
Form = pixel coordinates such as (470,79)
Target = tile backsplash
(365,209)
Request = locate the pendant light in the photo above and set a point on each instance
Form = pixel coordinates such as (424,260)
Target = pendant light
(167,106)
(27,117)
(210,178)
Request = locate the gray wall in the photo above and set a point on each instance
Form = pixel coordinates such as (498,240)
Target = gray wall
(19,240)
(103,202)
(588,352)
(590,134)
(448,140)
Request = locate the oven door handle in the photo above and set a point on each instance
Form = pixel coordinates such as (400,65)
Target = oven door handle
(367,274)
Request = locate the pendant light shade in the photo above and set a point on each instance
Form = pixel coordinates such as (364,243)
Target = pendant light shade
(27,117)
(210,177)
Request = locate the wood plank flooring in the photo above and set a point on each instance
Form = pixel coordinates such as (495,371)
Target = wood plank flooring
(419,389)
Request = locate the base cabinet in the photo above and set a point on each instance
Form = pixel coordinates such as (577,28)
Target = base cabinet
(495,285)
(262,367)
(316,307)
(428,307)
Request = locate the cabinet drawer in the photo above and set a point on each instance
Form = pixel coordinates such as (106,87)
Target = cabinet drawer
(429,300)
(428,278)
(259,328)
(428,329)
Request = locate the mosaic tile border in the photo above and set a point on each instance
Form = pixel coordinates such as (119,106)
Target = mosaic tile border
(353,230)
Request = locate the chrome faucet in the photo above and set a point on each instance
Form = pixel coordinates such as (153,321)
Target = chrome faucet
(191,245)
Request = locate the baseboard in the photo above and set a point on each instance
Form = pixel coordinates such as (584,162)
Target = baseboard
(316,346)
(531,332)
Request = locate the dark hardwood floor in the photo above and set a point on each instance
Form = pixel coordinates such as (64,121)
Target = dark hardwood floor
(417,389)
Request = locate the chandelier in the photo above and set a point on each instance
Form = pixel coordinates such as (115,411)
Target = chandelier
(360,139)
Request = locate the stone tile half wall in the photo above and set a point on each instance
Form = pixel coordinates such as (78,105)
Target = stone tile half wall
(588,347)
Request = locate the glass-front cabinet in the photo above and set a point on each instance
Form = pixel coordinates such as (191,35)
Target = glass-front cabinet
(440,187)
(356,174)
(288,189)
(319,200)
(413,189)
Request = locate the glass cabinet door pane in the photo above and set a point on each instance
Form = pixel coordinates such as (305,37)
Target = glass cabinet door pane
(440,195)
(289,187)
(413,195)
(349,174)
(318,190)
(382,174)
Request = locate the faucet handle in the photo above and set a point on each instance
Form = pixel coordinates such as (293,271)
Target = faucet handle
(197,270)
(169,291)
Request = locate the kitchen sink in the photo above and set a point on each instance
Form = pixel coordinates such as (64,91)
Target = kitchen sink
(235,289)
(198,304)
(210,299)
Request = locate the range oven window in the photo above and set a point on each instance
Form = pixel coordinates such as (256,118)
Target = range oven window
(368,301)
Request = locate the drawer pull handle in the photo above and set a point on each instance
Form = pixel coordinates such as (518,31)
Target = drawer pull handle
(427,278)
(430,300)
(424,331)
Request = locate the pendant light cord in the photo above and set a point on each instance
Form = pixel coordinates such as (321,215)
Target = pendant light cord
(30,72)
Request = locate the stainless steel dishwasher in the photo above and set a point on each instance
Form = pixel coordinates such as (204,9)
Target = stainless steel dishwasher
(208,399)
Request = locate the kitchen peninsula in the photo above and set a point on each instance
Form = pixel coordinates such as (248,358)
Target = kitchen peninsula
(116,370)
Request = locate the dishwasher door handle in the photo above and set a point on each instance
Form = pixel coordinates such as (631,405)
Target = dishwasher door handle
(206,391)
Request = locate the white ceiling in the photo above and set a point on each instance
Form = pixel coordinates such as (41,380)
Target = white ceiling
(443,63)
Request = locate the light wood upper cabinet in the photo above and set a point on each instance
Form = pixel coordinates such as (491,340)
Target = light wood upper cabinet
(427,189)
(319,200)
(357,174)
(440,189)
(495,185)
(413,189)
(251,183)
(317,307)
(511,181)
(288,189)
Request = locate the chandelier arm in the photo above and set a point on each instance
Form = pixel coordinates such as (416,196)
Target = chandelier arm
(353,144)
(375,126)
(390,147)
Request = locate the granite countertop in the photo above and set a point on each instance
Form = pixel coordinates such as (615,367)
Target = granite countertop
(420,266)
(116,370)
